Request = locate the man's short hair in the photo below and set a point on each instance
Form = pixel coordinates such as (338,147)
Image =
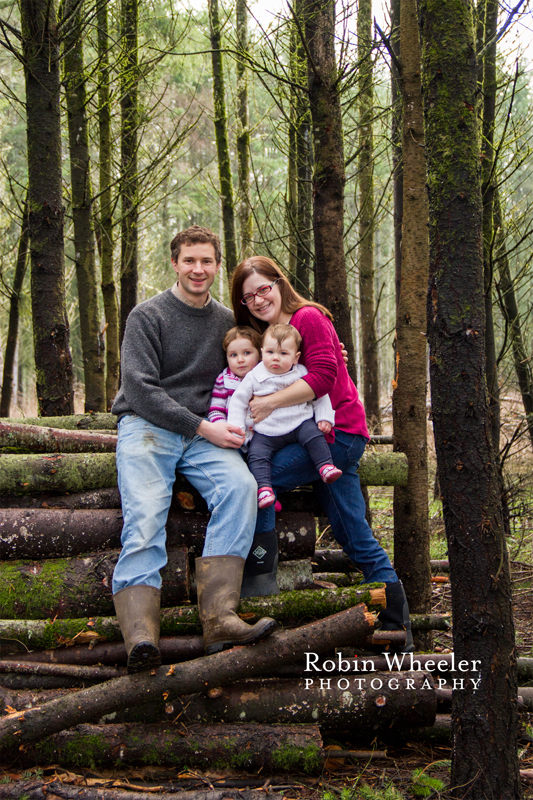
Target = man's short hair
(195,235)
(281,331)
(242,332)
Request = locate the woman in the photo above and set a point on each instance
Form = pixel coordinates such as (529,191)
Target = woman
(261,296)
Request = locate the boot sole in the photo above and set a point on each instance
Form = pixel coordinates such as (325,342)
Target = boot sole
(217,647)
(144,656)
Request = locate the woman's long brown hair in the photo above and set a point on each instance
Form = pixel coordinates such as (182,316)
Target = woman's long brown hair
(291,301)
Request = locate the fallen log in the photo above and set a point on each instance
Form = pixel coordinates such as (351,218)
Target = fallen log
(78,587)
(36,439)
(362,704)
(347,628)
(91,421)
(92,499)
(58,533)
(19,700)
(334,560)
(75,472)
(55,790)
(270,748)
(95,673)
(173,649)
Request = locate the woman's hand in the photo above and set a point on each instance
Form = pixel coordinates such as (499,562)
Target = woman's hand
(261,407)
(344,353)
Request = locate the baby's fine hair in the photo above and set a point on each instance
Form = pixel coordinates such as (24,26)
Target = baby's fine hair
(242,332)
(281,331)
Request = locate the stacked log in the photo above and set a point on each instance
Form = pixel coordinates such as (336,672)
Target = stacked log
(60,527)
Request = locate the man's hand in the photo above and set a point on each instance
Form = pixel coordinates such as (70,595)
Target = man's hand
(221,433)
(324,426)
(261,407)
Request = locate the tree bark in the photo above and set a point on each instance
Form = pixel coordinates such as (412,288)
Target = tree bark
(193,676)
(82,213)
(78,587)
(396,142)
(36,439)
(70,422)
(14,310)
(484,758)
(246,219)
(53,362)
(106,210)
(129,179)
(221,136)
(91,673)
(366,217)
(329,174)
(411,524)
(44,790)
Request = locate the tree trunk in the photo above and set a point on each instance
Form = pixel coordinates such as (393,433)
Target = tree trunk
(484,758)
(396,141)
(304,163)
(106,210)
(329,174)
(488,178)
(53,362)
(82,214)
(89,673)
(246,219)
(43,790)
(366,218)
(36,439)
(241,746)
(193,676)
(71,422)
(14,310)
(129,179)
(78,587)
(411,524)
(221,136)
(366,703)
(511,314)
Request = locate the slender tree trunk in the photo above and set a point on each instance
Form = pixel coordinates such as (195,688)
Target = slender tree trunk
(411,524)
(396,140)
(84,243)
(291,207)
(304,168)
(511,315)
(484,756)
(221,136)
(14,310)
(53,362)
(329,174)
(106,211)
(366,217)
(128,159)
(243,136)
(488,188)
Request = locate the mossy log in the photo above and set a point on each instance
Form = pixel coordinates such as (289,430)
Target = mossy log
(97,421)
(78,587)
(362,703)
(36,439)
(215,747)
(51,532)
(348,628)
(76,472)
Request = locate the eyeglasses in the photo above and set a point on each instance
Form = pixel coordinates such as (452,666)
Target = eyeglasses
(261,292)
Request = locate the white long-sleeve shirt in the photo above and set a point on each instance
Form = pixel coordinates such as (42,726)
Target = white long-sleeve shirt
(261,382)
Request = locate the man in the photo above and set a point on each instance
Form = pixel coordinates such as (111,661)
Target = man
(171,355)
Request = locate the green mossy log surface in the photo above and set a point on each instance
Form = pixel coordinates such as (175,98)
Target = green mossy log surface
(73,422)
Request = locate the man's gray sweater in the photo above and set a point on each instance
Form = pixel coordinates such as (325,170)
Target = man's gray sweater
(170,357)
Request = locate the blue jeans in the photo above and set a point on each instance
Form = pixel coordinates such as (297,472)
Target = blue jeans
(342,501)
(147,460)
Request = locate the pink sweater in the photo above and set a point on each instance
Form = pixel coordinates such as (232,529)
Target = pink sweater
(321,354)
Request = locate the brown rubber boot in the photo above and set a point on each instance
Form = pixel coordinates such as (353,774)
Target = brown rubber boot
(137,609)
(218,584)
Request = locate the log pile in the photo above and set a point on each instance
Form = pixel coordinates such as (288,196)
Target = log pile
(63,687)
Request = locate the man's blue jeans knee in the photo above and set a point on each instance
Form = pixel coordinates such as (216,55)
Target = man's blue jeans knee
(342,502)
(147,460)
